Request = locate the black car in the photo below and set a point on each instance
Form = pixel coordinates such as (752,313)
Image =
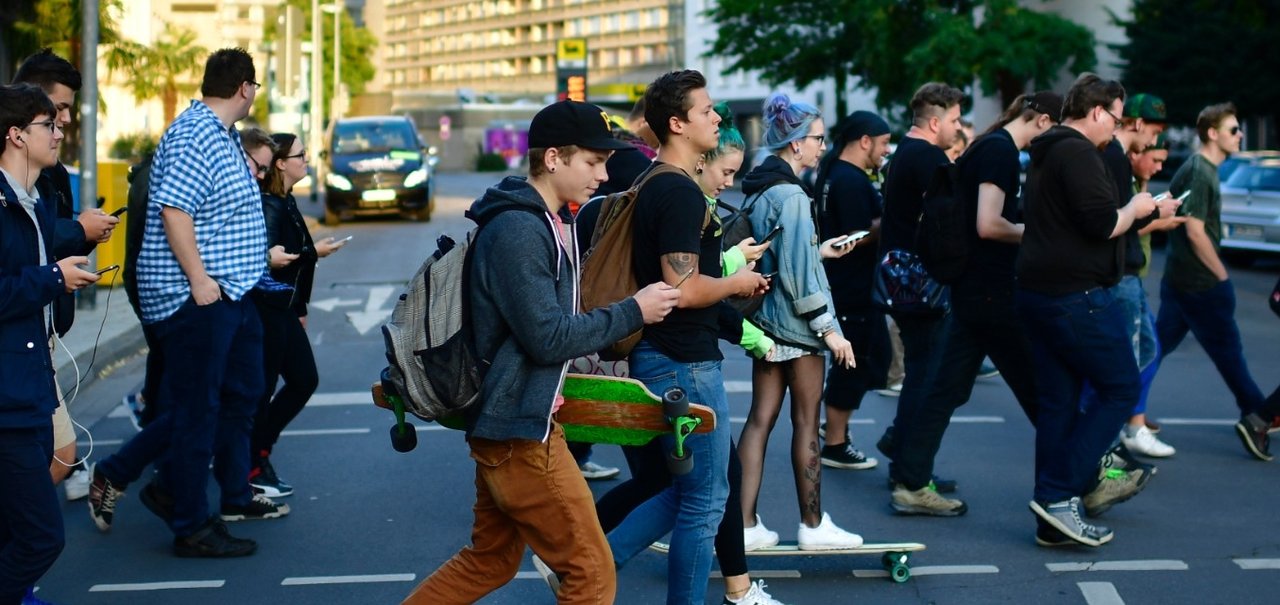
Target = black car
(376,166)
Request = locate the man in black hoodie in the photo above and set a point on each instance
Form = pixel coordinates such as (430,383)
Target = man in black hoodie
(524,301)
(1071,259)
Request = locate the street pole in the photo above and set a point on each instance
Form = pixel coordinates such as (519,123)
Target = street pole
(338,7)
(89,107)
(315,143)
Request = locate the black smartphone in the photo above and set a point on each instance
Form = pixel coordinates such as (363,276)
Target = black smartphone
(119,211)
(105,269)
(770,236)
(770,275)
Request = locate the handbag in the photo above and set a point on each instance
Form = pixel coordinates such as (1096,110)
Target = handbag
(903,286)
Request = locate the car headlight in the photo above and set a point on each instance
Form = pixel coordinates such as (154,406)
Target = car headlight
(337,181)
(415,178)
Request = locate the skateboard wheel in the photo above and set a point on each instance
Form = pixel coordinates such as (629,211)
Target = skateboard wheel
(890,559)
(900,573)
(679,466)
(674,403)
(403,440)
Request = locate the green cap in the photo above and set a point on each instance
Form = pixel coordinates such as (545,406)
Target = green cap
(1146,107)
(1161,142)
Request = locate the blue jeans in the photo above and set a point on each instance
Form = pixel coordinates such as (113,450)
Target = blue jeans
(1210,315)
(691,509)
(31,533)
(1077,337)
(1141,330)
(209,390)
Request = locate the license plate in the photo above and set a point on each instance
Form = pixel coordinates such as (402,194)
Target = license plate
(378,195)
(1244,231)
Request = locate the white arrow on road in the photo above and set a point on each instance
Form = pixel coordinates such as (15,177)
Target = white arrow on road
(329,304)
(373,313)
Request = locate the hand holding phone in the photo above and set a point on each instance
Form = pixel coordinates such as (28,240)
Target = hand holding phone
(118,211)
(851,239)
(770,235)
(105,269)
(343,240)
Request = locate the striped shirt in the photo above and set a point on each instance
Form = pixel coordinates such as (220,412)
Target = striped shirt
(200,169)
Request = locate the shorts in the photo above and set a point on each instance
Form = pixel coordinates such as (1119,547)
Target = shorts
(64,433)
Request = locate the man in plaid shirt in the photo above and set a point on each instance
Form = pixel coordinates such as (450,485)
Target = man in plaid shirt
(203,249)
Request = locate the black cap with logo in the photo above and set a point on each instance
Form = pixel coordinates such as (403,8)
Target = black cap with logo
(573,123)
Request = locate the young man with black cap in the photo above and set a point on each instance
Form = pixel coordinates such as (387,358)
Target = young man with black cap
(983,322)
(523,290)
(849,202)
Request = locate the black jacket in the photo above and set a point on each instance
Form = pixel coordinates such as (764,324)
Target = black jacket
(1070,210)
(285,227)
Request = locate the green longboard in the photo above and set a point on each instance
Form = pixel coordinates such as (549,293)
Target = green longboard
(895,557)
(601,409)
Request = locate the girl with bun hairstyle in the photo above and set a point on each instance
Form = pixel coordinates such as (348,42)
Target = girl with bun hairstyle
(797,314)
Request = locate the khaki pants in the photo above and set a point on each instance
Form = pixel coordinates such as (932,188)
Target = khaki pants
(527,493)
(896,367)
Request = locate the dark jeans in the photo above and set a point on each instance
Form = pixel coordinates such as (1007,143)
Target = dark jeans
(869,334)
(649,476)
(1077,337)
(211,384)
(151,382)
(31,535)
(920,346)
(1210,315)
(1271,407)
(286,353)
(967,340)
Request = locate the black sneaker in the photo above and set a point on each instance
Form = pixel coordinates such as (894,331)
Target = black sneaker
(260,507)
(213,540)
(103,495)
(1253,434)
(845,455)
(158,501)
(1049,536)
(265,481)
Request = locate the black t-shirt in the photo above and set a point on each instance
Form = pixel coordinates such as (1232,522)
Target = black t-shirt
(852,203)
(993,159)
(668,218)
(1117,162)
(623,167)
(910,171)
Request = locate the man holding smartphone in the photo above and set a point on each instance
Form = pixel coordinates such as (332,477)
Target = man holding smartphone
(1196,294)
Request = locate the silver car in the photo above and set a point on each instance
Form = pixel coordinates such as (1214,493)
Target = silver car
(1251,210)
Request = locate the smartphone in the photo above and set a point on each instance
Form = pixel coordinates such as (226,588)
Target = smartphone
(851,238)
(343,240)
(1184,196)
(770,275)
(105,269)
(119,211)
(682,279)
(770,236)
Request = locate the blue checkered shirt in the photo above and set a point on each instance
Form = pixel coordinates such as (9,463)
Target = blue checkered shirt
(200,169)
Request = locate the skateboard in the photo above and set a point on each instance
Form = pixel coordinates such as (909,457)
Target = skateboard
(597,409)
(894,556)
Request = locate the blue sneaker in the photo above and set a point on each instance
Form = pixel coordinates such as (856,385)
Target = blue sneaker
(31,599)
(135,405)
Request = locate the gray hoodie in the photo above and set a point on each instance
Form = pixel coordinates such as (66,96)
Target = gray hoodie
(524,312)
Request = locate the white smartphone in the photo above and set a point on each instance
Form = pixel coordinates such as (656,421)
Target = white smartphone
(851,238)
(343,240)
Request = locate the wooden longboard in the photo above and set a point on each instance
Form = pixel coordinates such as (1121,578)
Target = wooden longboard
(602,409)
(790,548)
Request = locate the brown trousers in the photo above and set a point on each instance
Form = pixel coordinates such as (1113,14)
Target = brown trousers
(527,493)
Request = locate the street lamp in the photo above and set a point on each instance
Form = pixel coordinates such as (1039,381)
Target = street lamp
(336,9)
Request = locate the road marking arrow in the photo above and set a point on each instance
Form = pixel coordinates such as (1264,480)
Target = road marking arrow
(329,304)
(373,313)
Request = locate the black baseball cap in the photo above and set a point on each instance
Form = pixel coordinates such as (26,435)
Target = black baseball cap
(573,123)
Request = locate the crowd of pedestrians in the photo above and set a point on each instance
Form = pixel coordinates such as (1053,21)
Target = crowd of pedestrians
(220,266)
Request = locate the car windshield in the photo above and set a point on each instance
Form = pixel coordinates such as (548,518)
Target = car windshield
(373,137)
(1265,177)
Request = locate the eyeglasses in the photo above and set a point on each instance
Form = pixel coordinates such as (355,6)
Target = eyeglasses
(50,124)
(301,154)
(1113,117)
(1233,131)
(255,85)
(821,137)
(258,169)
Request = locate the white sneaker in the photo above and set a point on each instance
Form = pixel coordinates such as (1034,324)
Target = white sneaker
(826,536)
(77,484)
(891,391)
(755,596)
(595,472)
(1145,442)
(755,538)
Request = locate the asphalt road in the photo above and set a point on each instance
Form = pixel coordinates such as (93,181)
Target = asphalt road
(368,523)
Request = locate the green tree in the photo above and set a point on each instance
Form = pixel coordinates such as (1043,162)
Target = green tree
(893,46)
(164,70)
(358,45)
(1195,53)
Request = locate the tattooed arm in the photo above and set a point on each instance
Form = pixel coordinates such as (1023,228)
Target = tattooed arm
(698,291)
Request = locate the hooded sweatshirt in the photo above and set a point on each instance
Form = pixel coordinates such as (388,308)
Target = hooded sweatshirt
(1070,211)
(523,287)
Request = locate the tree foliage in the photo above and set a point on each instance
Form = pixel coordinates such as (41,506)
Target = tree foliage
(893,46)
(358,46)
(168,68)
(1194,53)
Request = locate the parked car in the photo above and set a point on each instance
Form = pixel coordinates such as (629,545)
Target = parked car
(1251,211)
(1229,166)
(377,165)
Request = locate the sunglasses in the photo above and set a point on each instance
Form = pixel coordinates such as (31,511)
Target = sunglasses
(1234,130)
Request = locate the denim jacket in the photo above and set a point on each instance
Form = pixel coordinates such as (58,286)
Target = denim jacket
(800,296)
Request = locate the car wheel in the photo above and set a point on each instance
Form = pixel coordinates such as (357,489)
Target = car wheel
(420,215)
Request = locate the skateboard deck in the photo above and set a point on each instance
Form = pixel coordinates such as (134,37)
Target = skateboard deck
(895,556)
(601,409)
